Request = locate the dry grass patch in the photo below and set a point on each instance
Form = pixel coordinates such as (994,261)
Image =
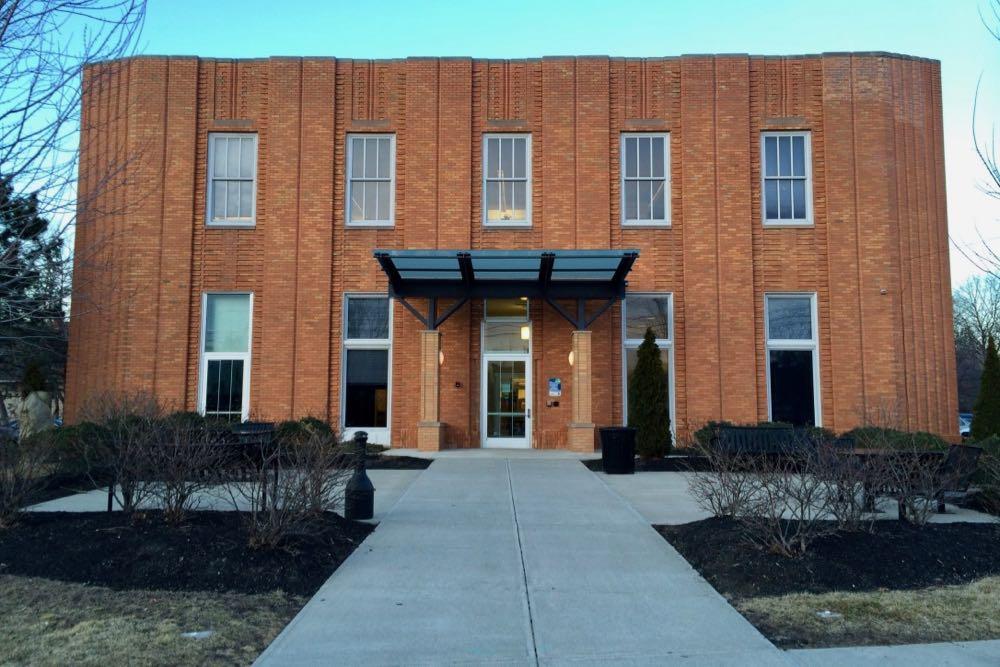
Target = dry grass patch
(57,623)
(949,613)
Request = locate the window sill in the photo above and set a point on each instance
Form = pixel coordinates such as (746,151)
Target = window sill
(646,225)
(230,225)
(369,225)
(787,223)
(507,225)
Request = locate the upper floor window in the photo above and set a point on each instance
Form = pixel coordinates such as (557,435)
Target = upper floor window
(232,179)
(371,179)
(507,179)
(645,179)
(787,178)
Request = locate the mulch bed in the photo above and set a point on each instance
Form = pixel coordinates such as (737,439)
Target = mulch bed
(208,552)
(382,462)
(897,556)
(679,462)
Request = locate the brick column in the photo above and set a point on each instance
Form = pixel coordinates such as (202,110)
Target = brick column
(430,429)
(580,435)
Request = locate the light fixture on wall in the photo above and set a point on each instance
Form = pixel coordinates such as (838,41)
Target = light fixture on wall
(571,357)
(525,332)
(440,357)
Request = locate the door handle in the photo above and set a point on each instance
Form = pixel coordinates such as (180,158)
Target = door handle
(529,413)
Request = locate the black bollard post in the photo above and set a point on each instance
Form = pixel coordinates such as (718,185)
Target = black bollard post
(359,497)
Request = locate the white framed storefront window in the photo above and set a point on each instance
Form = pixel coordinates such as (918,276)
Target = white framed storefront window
(792,361)
(224,370)
(639,312)
(366,367)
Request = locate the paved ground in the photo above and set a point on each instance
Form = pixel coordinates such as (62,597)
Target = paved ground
(964,654)
(389,485)
(663,498)
(518,562)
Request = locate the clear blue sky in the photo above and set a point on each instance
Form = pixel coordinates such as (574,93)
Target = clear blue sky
(949,30)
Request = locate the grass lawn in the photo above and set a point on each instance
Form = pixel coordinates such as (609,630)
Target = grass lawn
(947,613)
(47,622)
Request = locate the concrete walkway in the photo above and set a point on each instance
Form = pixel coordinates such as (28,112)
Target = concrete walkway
(516,562)
(946,654)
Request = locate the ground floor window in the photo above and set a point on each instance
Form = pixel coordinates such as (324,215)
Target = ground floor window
(225,355)
(792,358)
(639,313)
(367,344)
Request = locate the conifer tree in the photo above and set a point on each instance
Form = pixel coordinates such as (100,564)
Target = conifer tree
(648,412)
(986,412)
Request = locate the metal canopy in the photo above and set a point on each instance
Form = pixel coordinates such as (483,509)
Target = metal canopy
(482,274)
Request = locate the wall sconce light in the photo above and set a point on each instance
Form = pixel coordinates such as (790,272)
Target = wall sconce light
(440,357)
(525,332)
(571,357)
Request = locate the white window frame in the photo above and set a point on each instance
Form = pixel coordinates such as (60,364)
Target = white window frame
(811,345)
(632,343)
(788,222)
(527,180)
(205,357)
(348,149)
(211,221)
(667,185)
(376,435)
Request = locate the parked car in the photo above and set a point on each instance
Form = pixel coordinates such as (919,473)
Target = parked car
(964,424)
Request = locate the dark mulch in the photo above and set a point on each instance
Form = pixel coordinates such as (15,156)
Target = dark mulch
(678,462)
(382,462)
(897,556)
(208,553)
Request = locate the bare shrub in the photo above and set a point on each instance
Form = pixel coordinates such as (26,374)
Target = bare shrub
(290,481)
(129,423)
(724,488)
(185,455)
(22,470)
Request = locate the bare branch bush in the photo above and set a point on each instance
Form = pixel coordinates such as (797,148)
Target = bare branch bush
(290,482)
(129,430)
(183,458)
(724,489)
(22,471)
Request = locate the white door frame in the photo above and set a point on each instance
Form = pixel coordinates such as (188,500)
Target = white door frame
(510,443)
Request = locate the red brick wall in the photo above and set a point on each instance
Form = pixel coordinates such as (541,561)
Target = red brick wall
(876,255)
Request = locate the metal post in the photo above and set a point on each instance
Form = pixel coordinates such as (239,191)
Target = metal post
(359,496)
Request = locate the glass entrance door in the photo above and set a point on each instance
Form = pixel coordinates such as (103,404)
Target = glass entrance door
(506,401)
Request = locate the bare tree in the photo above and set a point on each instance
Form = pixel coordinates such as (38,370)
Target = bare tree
(976,317)
(44,47)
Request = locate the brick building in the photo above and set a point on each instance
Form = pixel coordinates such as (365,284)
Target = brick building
(788,214)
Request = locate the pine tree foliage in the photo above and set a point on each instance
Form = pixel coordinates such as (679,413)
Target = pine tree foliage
(648,410)
(986,413)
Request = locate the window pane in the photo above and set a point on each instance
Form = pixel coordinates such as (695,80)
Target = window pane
(798,156)
(631,357)
(218,200)
(799,199)
(224,388)
(645,195)
(631,201)
(643,312)
(357,201)
(644,156)
(232,199)
(657,157)
(371,194)
(247,157)
(771,200)
(493,200)
(792,387)
(384,161)
(507,308)
(233,157)
(631,158)
(519,190)
(219,156)
(784,156)
(770,156)
(789,318)
(658,196)
(246,199)
(367,317)
(520,158)
(227,323)
(785,198)
(383,200)
(357,157)
(366,390)
(506,201)
(506,158)
(500,336)
(371,157)
(493,158)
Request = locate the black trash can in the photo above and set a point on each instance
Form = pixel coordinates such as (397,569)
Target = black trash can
(618,450)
